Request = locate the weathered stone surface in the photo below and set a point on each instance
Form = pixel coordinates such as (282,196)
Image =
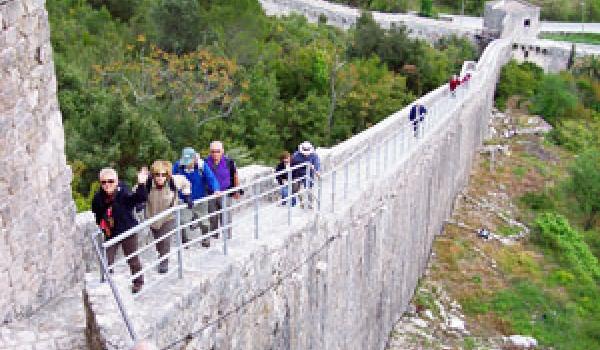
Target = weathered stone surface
(39,250)
(344,17)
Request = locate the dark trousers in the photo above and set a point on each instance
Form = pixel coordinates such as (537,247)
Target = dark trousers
(219,219)
(129,245)
(163,247)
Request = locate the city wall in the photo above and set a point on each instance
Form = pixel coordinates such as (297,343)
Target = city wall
(333,280)
(344,17)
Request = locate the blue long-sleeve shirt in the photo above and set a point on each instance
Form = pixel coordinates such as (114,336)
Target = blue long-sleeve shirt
(201,180)
(299,158)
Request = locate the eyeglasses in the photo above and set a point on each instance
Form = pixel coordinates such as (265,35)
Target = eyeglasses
(215,151)
(109,181)
(160,174)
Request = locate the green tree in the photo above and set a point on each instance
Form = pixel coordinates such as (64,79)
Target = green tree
(122,9)
(181,25)
(554,98)
(426,8)
(367,37)
(517,79)
(584,185)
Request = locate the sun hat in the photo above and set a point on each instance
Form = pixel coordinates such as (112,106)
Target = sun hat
(187,156)
(306,148)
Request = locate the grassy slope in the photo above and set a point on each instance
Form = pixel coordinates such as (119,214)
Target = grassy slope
(512,289)
(584,38)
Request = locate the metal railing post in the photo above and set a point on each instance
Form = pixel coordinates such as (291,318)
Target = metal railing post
(290,195)
(309,184)
(333,178)
(224,222)
(179,247)
(403,139)
(102,271)
(114,290)
(346,166)
(395,147)
(319,192)
(255,192)
(386,150)
(377,160)
(358,170)
(368,165)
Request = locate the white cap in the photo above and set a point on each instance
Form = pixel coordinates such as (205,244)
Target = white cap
(306,148)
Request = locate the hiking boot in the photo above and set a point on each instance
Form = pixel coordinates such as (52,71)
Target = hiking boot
(206,243)
(163,269)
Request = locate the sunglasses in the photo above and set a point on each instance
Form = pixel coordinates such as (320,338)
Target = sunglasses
(109,181)
(160,174)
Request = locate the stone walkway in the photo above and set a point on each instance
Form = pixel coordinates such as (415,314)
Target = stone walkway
(60,325)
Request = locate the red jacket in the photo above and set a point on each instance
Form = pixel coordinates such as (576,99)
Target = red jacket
(453,84)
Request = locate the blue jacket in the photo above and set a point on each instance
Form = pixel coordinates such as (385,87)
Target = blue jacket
(200,180)
(299,158)
(417,113)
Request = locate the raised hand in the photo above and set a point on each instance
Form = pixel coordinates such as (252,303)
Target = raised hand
(143,175)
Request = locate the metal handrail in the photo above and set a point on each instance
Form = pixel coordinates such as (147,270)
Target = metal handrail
(360,161)
(172,210)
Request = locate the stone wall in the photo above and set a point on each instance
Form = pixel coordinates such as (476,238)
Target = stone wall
(344,17)
(332,280)
(40,258)
(552,56)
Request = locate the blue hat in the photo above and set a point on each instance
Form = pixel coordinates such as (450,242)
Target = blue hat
(187,156)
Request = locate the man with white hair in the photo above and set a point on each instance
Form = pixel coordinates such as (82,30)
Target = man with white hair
(226,173)
(113,207)
(305,154)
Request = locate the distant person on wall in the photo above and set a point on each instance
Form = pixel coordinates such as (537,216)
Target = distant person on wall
(113,208)
(417,117)
(226,173)
(163,188)
(454,83)
(466,79)
(201,178)
(285,161)
(305,154)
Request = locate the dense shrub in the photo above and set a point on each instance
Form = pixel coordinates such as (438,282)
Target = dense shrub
(567,245)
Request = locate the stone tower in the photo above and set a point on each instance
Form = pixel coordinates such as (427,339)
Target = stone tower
(506,18)
(39,256)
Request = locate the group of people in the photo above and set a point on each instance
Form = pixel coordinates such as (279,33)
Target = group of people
(166,185)
(456,81)
(418,111)
(300,179)
(189,179)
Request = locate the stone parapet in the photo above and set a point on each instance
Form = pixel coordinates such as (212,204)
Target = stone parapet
(552,56)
